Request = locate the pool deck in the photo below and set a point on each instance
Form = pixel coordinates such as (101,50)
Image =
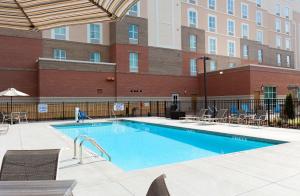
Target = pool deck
(270,171)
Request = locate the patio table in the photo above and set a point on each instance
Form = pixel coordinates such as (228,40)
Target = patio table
(40,188)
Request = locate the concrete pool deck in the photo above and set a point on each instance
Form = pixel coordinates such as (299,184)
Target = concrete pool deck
(270,171)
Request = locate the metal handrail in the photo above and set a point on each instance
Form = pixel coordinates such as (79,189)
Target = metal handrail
(93,142)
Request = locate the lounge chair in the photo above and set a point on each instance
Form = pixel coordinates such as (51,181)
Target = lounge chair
(82,116)
(220,116)
(158,187)
(5,117)
(259,118)
(25,165)
(4,128)
(199,116)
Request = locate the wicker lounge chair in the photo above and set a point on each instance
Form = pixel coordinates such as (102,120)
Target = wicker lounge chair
(25,165)
(199,116)
(220,116)
(158,187)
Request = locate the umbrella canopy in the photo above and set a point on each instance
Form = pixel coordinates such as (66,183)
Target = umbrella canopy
(45,14)
(11,92)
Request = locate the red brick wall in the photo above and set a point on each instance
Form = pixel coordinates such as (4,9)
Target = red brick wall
(18,67)
(231,82)
(187,56)
(274,77)
(156,85)
(58,83)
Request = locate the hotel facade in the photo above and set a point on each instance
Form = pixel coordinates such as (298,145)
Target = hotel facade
(151,54)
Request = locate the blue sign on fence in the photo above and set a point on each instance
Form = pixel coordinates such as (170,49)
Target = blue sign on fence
(42,108)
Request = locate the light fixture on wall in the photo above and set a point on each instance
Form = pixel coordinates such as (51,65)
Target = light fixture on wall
(262,88)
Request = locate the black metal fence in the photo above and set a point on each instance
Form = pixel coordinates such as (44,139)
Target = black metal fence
(275,109)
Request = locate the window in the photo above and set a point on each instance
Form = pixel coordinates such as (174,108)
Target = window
(260,56)
(299,93)
(212,65)
(230,7)
(59,54)
(258,3)
(287,44)
(244,11)
(245,51)
(212,45)
(278,41)
(193,43)
(193,67)
(287,27)
(133,62)
(212,4)
(212,23)
(231,48)
(192,18)
(288,61)
(278,59)
(133,34)
(60,33)
(193,2)
(260,36)
(270,92)
(230,27)
(245,31)
(231,65)
(259,18)
(95,57)
(134,10)
(95,33)
(278,25)
(287,12)
(277,9)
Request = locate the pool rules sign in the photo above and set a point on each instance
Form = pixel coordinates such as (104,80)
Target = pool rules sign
(42,108)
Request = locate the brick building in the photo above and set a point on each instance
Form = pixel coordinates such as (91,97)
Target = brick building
(151,53)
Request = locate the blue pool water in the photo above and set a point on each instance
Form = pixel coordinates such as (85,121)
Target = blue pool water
(135,145)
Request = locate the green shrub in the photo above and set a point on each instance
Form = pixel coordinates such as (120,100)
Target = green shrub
(289,107)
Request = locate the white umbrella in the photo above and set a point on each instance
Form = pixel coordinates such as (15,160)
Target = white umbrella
(46,14)
(12,92)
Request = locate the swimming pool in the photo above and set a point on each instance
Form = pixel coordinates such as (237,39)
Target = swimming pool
(134,145)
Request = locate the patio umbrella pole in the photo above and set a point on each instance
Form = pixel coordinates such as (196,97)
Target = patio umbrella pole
(11,104)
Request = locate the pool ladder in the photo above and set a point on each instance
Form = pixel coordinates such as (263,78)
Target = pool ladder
(93,142)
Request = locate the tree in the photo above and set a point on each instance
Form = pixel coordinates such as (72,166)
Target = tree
(289,107)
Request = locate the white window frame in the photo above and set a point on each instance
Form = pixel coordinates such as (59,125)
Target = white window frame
(242,14)
(287,27)
(260,56)
(100,33)
(132,61)
(260,33)
(188,17)
(231,43)
(135,31)
(233,7)
(258,3)
(67,36)
(278,41)
(288,44)
(193,67)
(213,62)
(278,59)
(208,23)
(193,43)
(59,57)
(245,51)
(277,9)
(228,29)
(209,46)
(92,59)
(242,31)
(287,12)
(288,61)
(215,5)
(278,25)
(138,13)
(259,13)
